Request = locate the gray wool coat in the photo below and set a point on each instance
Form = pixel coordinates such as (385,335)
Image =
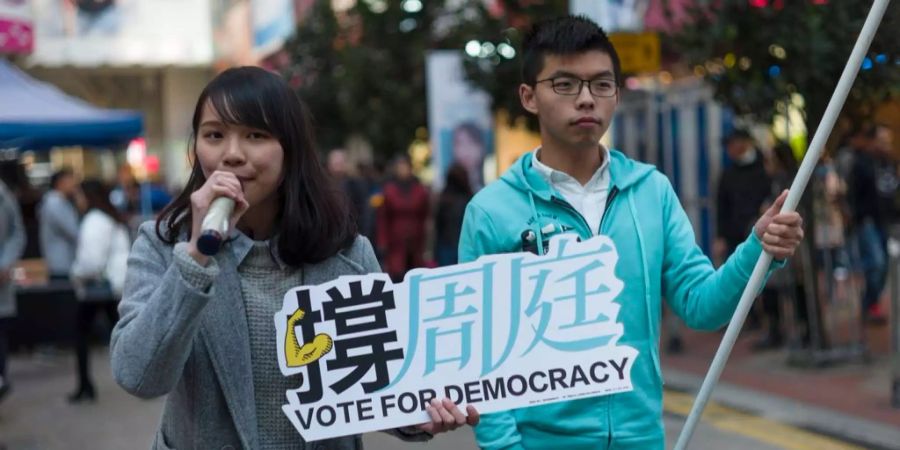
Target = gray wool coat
(194,346)
(12,244)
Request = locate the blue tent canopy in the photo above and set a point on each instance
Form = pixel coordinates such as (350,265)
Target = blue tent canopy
(36,116)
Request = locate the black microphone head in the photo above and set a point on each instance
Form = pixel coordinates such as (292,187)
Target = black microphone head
(209,242)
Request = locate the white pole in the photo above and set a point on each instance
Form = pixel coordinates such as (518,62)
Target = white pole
(790,204)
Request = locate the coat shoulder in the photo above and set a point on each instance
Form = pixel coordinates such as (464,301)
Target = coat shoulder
(356,259)
(359,250)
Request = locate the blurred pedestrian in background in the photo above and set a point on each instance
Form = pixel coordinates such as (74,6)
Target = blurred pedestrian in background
(12,244)
(126,196)
(28,197)
(402,220)
(59,220)
(781,168)
(98,274)
(451,209)
(866,207)
(830,213)
(341,169)
(743,188)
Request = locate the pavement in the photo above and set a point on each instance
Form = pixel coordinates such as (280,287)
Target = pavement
(37,416)
(776,421)
(850,400)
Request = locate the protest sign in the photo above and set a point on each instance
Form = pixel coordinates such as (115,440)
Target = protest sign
(506,331)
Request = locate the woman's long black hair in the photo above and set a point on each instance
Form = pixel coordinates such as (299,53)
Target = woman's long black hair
(314,221)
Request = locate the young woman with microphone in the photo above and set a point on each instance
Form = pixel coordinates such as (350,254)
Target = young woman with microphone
(258,216)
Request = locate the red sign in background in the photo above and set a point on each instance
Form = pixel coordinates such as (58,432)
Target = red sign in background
(16,30)
(15,36)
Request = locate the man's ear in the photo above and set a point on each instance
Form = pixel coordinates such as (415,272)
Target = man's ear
(526,96)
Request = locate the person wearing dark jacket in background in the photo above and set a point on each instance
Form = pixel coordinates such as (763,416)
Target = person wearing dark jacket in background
(743,188)
(449,216)
(866,197)
(353,187)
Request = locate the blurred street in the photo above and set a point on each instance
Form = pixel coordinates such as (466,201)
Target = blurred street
(307,160)
(36,416)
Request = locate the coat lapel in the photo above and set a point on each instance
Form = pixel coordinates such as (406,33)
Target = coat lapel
(225,333)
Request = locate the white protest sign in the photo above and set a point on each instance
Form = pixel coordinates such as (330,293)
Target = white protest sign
(507,331)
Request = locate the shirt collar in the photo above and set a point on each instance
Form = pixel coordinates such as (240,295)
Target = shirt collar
(241,244)
(553,176)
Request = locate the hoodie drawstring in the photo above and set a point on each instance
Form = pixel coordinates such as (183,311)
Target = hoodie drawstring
(645,269)
(537,231)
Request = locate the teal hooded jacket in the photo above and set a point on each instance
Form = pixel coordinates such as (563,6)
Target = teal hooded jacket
(658,258)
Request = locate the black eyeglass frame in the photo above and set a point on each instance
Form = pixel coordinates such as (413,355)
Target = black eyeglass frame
(581,84)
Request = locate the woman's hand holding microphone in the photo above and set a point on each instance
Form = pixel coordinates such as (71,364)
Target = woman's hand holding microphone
(215,209)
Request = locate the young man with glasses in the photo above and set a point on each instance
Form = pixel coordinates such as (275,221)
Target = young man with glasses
(572,183)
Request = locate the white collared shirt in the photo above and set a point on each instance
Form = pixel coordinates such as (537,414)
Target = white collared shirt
(589,199)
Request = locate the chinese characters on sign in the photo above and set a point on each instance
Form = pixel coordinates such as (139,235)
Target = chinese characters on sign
(506,331)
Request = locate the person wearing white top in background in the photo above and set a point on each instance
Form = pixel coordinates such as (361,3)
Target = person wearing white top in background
(98,273)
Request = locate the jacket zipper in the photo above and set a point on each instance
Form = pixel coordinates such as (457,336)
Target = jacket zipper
(612,194)
(609,199)
(572,209)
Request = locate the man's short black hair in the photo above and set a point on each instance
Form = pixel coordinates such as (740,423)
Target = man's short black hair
(59,175)
(738,134)
(566,35)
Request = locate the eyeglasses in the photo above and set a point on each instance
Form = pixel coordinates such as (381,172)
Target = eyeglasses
(566,85)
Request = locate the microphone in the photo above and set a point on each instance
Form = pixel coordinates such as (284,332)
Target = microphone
(215,227)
